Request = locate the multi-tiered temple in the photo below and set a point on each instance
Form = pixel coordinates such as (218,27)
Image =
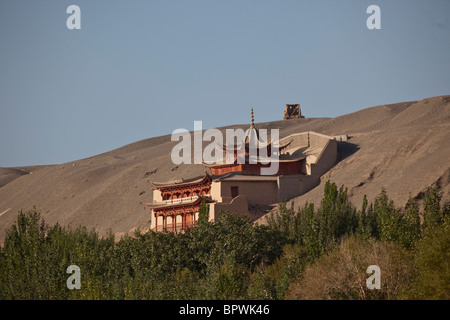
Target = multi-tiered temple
(302,158)
(175,204)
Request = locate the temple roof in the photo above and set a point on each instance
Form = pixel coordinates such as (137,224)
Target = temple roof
(182,182)
(237,176)
(281,158)
(260,145)
(174,203)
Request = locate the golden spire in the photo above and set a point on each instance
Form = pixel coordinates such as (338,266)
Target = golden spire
(252,124)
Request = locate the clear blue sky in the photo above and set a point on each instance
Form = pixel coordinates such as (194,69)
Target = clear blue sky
(139,69)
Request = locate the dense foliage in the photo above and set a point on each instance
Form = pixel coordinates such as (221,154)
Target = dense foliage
(304,253)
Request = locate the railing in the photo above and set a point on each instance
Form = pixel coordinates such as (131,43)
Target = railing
(181,200)
(175,227)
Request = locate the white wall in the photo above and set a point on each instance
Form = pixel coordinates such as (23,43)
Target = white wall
(238,205)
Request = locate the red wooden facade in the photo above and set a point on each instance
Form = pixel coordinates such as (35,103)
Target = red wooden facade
(284,167)
(180,202)
(186,211)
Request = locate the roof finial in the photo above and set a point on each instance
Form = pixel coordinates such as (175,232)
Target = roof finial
(252,120)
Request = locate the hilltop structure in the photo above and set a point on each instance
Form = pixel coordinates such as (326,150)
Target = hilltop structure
(292,111)
(302,159)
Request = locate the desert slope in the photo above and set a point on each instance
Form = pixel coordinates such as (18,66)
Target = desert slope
(403,147)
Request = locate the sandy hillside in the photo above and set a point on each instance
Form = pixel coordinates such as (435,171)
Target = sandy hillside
(403,147)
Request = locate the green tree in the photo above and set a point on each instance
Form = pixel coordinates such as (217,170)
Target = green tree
(203,214)
(432,214)
(365,220)
(285,220)
(309,228)
(410,230)
(432,263)
(226,281)
(336,215)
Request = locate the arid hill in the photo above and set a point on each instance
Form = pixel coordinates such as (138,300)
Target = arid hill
(403,147)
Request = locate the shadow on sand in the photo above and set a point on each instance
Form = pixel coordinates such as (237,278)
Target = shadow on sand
(345,150)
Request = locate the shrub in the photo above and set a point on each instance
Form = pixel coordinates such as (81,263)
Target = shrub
(341,273)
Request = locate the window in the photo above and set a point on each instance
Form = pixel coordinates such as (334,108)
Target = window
(234,192)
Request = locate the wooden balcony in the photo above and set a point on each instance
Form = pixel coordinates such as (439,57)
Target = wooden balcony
(175,227)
